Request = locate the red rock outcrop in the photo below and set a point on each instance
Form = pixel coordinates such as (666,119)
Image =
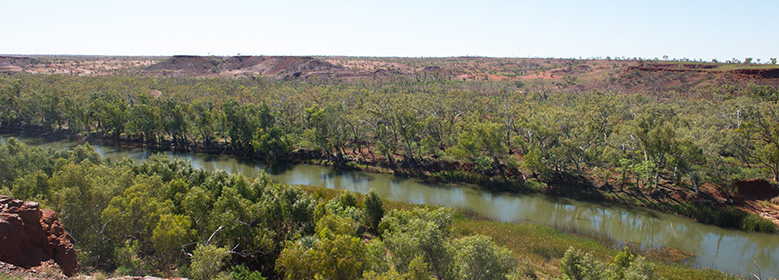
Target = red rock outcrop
(30,236)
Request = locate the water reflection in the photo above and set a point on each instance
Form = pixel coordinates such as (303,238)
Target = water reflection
(729,250)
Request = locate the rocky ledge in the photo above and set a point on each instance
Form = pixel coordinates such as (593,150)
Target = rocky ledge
(31,237)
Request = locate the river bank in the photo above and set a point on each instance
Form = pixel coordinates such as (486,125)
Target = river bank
(712,204)
(729,250)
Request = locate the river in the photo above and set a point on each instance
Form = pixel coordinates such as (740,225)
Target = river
(729,250)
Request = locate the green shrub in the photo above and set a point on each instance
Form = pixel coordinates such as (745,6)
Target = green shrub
(207,261)
(348,199)
(577,265)
(753,222)
(477,257)
(241,272)
(582,266)
(725,216)
(639,269)
(621,261)
(128,259)
(374,210)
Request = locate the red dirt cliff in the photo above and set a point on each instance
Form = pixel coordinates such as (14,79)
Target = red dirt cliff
(30,236)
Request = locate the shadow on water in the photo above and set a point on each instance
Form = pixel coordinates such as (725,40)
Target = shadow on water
(603,204)
(352,176)
(277,168)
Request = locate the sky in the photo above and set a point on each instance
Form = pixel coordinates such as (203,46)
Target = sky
(693,29)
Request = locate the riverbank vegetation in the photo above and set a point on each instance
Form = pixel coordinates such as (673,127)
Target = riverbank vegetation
(682,150)
(163,217)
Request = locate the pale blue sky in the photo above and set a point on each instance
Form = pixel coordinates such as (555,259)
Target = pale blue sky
(648,29)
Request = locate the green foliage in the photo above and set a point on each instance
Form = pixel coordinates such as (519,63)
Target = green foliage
(207,261)
(639,269)
(143,217)
(171,233)
(336,254)
(754,222)
(577,265)
(134,214)
(374,210)
(407,235)
(534,162)
(483,164)
(389,275)
(418,270)
(581,266)
(477,257)
(419,248)
(726,216)
(128,259)
(145,122)
(241,272)
(482,143)
(656,137)
(348,199)
(708,134)
(146,215)
(332,225)
(621,261)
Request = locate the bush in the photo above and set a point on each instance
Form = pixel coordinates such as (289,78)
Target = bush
(207,260)
(754,222)
(407,235)
(348,199)
(639,269)
(374,210)
(241,272)
(477,257)
(128,261)
(335,254)
(170,233)
(580,266)
(621,261)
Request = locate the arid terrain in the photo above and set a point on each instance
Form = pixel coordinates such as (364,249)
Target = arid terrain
(72,65)
(577,74)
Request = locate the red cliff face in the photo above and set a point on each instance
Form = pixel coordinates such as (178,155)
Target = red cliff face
(30,236)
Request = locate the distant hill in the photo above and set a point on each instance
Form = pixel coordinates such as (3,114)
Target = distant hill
(746,71)
(532,74)
(284,66)
(80,65)
(13,64)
